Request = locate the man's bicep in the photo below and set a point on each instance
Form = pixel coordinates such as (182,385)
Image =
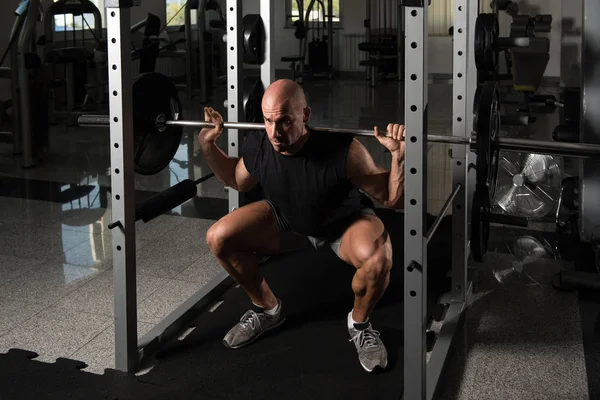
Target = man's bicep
(243,179)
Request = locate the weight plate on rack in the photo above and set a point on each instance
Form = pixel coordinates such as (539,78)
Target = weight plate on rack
(476,99)
(486,35)
(480,223)
(487,128)
(153,95)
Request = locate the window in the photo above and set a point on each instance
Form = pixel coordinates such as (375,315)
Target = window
(319,10)
(176,13)
(68,22)
(441,15)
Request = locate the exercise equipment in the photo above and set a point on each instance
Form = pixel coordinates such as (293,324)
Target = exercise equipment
(254,39)
(166,200)
(158,128)
(155,94)
(488,43)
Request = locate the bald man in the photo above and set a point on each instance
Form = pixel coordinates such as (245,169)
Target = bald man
(310,182)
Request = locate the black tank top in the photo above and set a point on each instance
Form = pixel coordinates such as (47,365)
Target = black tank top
(309,189)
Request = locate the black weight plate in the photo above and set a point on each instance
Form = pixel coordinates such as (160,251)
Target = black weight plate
(253,94)
(487,128)
(486,34)
(480,225)
(154,94)
(476,99)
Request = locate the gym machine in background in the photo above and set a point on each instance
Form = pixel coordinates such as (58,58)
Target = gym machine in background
(319,51)
(28,86)
(384,44)
(204,49)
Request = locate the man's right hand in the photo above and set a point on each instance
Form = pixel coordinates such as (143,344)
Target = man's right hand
(208,136)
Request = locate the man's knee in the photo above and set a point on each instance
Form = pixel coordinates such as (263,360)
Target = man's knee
(377,261)
(219,239)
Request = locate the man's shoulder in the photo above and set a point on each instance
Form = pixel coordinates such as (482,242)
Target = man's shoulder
(254,135)
(253,138)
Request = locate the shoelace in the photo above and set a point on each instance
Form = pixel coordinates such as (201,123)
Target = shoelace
(250,318)
(366,338)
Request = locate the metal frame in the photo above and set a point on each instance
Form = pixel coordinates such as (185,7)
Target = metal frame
(415,223)
(122,184)
(235,98)
(421,378)
(129,352)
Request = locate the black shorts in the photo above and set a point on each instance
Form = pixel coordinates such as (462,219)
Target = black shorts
(293,241)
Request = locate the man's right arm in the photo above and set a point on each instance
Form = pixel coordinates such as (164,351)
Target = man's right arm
(231,171)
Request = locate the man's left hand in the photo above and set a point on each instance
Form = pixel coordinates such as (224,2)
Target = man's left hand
(395,142)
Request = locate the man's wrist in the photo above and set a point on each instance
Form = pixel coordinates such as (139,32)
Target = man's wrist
(206,145)
(397,155)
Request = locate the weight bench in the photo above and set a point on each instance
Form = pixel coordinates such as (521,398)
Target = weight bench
(296,75)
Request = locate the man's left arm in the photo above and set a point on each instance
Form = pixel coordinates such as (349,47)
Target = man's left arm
(387,187)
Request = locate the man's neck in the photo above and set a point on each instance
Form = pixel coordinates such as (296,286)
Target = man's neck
(296,147)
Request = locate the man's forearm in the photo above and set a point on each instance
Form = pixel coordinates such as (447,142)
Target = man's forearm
(220,163)
(396,182)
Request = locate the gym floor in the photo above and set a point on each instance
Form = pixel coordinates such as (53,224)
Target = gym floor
(524,339)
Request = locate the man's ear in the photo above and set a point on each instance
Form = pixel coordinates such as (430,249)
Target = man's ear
(306,114)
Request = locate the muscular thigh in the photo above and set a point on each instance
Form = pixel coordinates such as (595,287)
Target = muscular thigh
(363,238)
(251,228)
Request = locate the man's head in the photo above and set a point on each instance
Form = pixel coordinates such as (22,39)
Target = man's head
(285,112)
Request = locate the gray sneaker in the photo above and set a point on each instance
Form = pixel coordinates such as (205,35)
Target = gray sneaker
(252,325)
(370,348)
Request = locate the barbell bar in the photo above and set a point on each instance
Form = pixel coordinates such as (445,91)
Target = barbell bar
(577,150)
(158,129)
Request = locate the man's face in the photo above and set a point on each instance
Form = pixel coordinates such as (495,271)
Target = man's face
(284,123)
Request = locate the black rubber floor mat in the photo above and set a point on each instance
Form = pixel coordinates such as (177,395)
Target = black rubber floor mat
(310,356)
(23,377)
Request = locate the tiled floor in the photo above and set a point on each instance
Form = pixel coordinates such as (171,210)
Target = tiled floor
(55,248)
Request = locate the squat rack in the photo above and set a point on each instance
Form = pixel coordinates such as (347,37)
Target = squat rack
(420,377)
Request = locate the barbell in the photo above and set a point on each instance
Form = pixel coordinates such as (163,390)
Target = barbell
(158,128)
